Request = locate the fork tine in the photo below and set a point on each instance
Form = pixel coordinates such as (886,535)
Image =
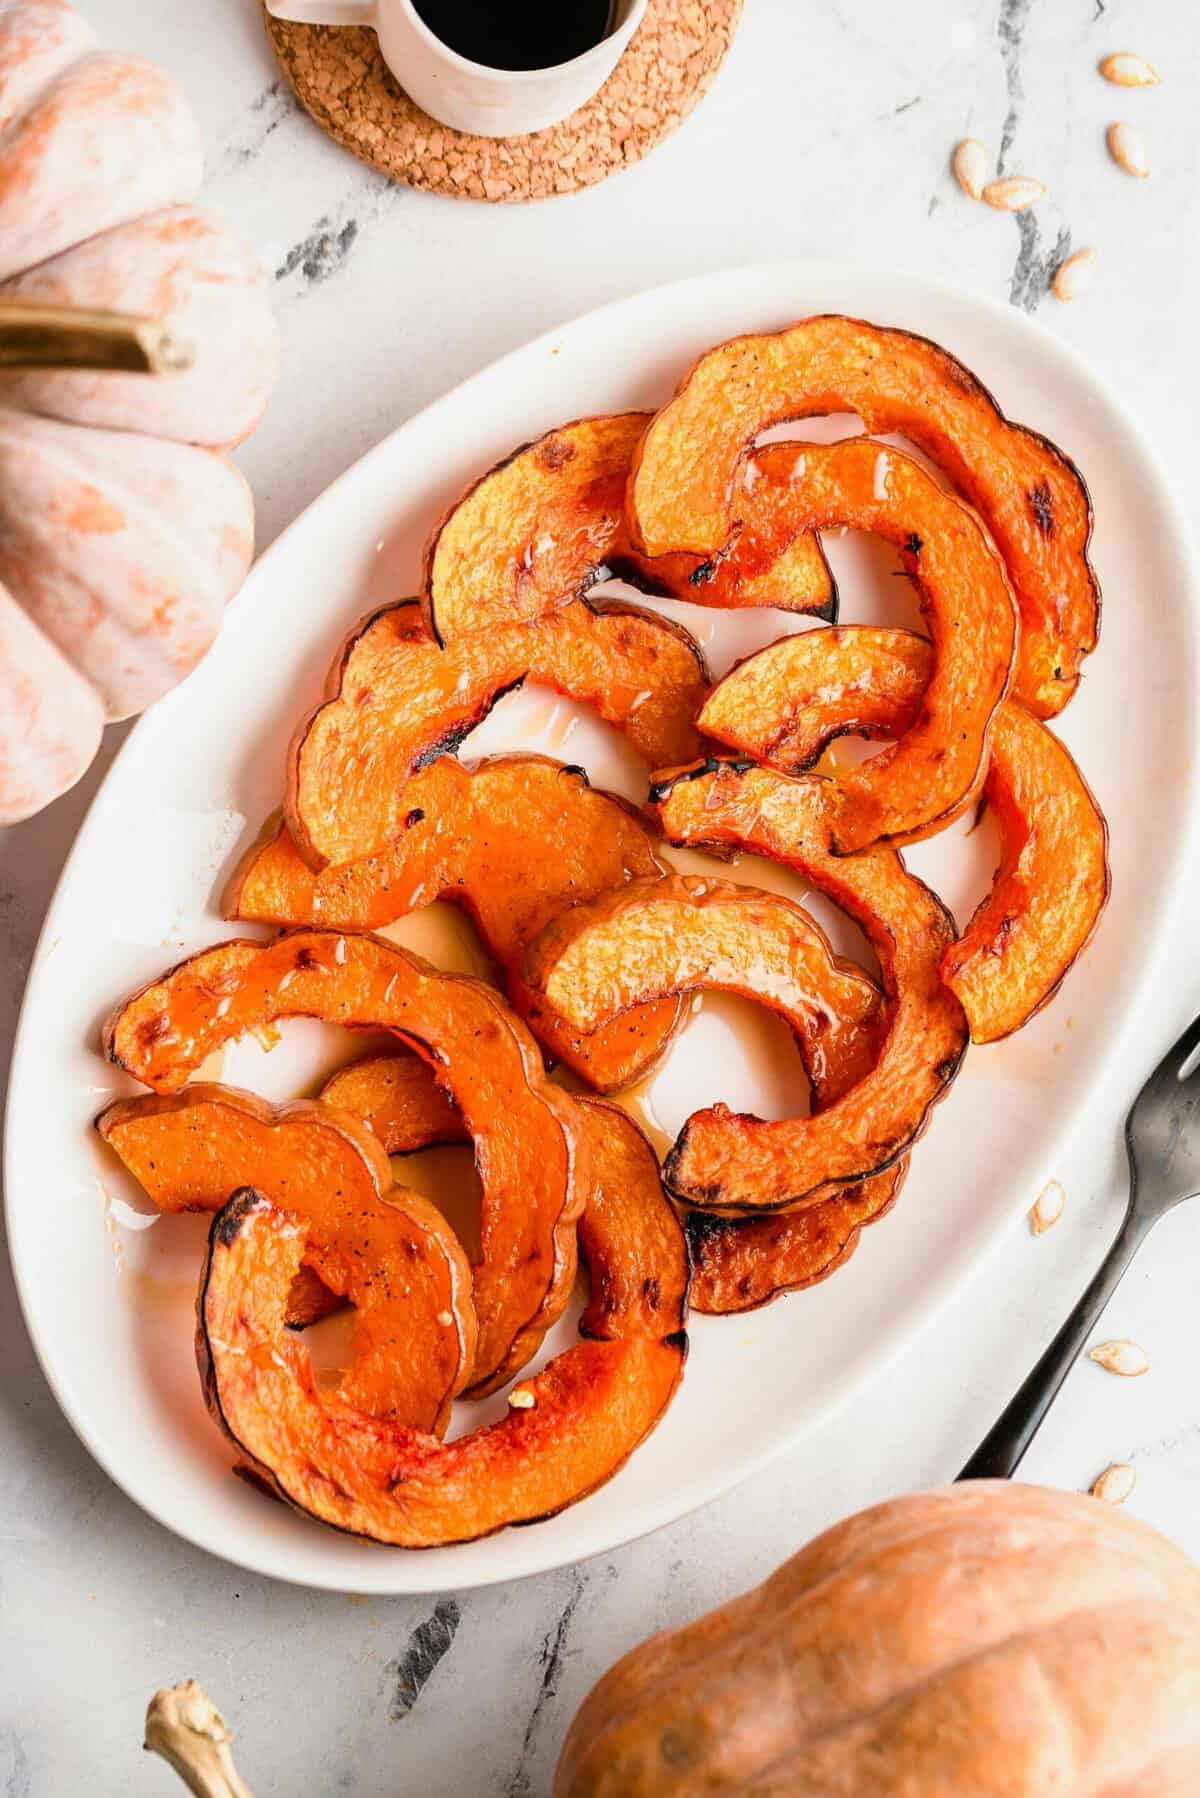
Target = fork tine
(1178,1055)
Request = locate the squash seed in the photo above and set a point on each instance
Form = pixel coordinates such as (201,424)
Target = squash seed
(1127,149)
(1126,69)
(521,1399)
(1047,1208)
(1014,193)
(1121,1357)
(1074,276)
(1115,1483)
(970,165)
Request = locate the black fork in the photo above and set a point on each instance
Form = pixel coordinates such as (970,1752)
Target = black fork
(1162,1136)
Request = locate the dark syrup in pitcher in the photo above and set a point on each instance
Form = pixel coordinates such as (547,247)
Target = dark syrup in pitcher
(518,34)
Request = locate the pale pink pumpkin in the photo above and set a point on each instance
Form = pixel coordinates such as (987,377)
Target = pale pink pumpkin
(179,262)
(38,38)
(108,138)
(52,717)
(120,542)
(123,549)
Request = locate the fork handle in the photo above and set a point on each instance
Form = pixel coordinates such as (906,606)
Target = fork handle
(999,1454)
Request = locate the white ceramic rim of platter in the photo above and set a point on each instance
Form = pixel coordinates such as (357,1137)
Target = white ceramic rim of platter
(492,1560)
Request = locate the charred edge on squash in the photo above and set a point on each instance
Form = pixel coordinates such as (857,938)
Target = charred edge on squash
(713,1227)
(868,733)
(710,1197)
(227,1224)
(711,764)
(831,611)
(1041,505)
(617,568)
(702,1230)
(244,1470)
(642,581)
(452,740)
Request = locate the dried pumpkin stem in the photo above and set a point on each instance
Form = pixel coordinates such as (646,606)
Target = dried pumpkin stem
(186,1728)
(83,337)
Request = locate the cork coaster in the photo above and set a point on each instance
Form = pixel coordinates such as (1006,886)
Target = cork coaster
(339,76)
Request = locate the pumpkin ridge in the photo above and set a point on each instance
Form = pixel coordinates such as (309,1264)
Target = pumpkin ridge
(137,511)
(1018,1635)
(67,53)
(896,1701)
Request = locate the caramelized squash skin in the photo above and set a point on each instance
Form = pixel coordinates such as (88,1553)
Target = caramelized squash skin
(395,701)
(386,1250)
(591,1407)
(514,841)
(729,1161)
(930,772)
(784,705)
(684,494)
(545,525)
(530,1148)
(630,1237)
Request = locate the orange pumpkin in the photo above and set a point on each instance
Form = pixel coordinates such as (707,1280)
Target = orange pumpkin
(119,548)
(982,1641)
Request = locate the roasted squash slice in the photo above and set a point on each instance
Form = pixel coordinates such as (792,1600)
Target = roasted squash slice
(680,934)
(735,1162)
(579,1419)
(395,702)
(784,705)
(930,773)
(514,842)
(684,493)
(387,1250)
(742,1263)
(628,1224)
(630,1236)
(530,1147)
(543,526)
(399,1101)
(1049,889)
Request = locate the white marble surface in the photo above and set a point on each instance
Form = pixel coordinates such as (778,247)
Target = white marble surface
(827,133)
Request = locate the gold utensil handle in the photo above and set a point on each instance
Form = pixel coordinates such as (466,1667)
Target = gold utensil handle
(81,337)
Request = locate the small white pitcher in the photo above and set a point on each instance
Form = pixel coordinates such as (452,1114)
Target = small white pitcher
(467,95)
